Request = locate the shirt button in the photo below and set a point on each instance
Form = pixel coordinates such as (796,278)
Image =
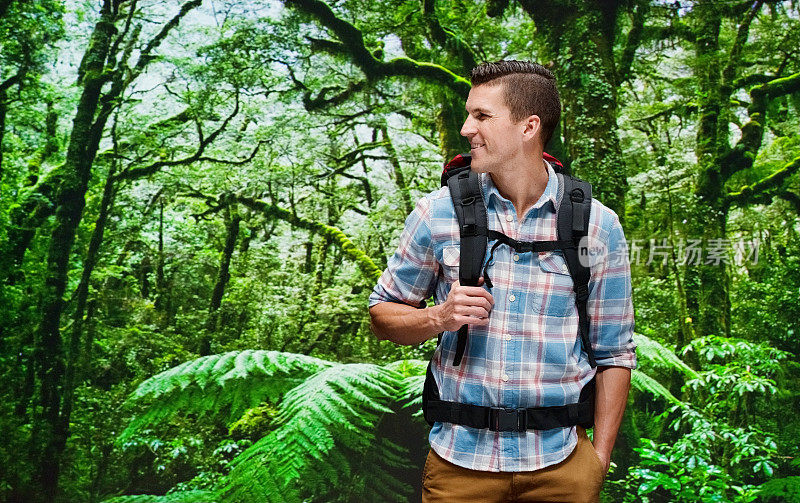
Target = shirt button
(504,377)
(509,218)
(512,298)
(508,337)
(516,258)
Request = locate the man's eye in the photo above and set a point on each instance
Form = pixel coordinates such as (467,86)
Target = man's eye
(482,116)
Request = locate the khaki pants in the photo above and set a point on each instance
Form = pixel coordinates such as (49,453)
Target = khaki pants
(577,479)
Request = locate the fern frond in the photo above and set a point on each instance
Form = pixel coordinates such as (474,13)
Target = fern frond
(228,383)
(410,395)
(652,353)
(373,479)
(179,497)
(334,412)
(408,367)
(645,383)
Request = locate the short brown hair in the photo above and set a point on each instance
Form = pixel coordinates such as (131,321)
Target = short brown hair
(529,89)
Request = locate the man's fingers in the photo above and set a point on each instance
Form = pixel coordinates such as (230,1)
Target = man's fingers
(472,291)
(474,297)
(471,320)
(477,311)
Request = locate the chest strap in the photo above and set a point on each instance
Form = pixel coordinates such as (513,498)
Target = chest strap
(520,247)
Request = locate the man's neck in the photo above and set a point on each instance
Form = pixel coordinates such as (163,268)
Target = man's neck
(522,182)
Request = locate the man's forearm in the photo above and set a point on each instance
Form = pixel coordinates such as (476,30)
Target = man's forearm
(404,324)
(613,385)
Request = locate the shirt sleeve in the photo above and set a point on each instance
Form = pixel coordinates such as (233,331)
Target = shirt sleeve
(410,275)
(610,300)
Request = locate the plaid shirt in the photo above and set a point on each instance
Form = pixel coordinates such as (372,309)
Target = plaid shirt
(530,353)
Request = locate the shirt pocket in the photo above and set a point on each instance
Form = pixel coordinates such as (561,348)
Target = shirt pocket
(554,295)
(451,256)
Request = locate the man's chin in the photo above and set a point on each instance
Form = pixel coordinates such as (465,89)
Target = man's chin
(479,167)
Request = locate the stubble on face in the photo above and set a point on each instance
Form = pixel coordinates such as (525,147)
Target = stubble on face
(492,134)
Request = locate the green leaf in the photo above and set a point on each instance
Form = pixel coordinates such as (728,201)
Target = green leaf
(221,385)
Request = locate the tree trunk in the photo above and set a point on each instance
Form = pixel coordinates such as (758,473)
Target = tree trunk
(82,294)
(50,425)
(579,40)
(449,120)
(161,289)
(707,284)
(49,433)
(223,276)
(3,111)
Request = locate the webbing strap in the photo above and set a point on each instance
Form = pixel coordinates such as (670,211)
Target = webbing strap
(519,247)
(513,419)
(465,191)
(573,224)
(530,246)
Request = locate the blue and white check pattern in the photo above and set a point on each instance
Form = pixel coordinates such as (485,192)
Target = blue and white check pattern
(530,353)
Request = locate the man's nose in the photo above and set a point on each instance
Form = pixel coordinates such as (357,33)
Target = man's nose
(469,127)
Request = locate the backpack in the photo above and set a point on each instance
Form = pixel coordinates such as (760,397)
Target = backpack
(573,225)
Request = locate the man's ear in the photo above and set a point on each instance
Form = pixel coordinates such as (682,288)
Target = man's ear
(532,128)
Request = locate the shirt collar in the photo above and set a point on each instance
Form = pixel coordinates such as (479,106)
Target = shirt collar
(549,195)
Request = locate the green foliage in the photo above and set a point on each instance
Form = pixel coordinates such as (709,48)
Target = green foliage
(786,490)
(324,433)
(644,383)
(255,422)
(226,384)
(334,412)
(344,149)
(654,355)
(178,497)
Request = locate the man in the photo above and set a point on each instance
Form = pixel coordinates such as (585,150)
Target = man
(523,349)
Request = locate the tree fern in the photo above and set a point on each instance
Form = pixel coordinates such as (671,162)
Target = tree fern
(644,383)
(373,477)
(410,393)
(653,354)
(334,412)
(178,497)
(228,383)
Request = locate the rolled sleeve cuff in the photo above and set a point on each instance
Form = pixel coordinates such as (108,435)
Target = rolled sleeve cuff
(625,357)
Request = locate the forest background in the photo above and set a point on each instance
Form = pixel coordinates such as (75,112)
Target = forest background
(196,198)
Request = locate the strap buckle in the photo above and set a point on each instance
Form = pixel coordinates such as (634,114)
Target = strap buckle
(468,230)
(507,419)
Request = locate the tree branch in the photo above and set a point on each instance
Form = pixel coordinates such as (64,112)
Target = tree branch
(352,45)
(134,173)
(743,154)
(365,263)
(321,100)
(729,73)
(446,38)
(633,41)
(239,162)
(752,80)
(751,193)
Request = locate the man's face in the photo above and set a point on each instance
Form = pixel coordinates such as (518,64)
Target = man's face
(493,136)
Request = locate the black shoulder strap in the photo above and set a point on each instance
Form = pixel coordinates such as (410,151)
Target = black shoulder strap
(465,191)
(573,225)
